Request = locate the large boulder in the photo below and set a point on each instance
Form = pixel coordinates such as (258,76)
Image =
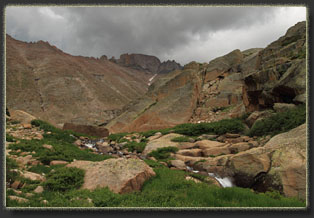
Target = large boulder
(119,175)
(87,129)
(289,161)
(280,164)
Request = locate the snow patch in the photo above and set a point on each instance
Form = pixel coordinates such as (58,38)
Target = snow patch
(151,79)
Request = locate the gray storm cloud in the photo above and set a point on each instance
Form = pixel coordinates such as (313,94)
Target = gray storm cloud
(180,33)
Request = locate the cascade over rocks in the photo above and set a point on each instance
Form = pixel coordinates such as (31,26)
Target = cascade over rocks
(280,164)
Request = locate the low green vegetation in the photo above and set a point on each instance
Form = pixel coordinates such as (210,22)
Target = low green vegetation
(64,179)
(57,134)
(11,175)
(62,146)
(153,132)
(44,168)
(234,125)
(9,138)
(135,146)
(181,139)
(168,188)
(60,151)
(220,127)
(163,153)
(117,137)
(279,122)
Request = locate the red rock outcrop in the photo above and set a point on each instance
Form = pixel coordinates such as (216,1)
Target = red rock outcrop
(170,101)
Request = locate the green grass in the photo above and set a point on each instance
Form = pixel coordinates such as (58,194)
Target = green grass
(9,138)
(61,151)
(167,189)
(163,153)
(117,137)
(135,146)
(11,164)
(44,168)
(234,125)
(279,122)
(64,179)
(59,134)
(153,132)
(63,147)
(181,139)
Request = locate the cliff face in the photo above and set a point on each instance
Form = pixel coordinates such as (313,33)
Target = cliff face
(226,87)
(279,74)
(146,63)
(169,101)
(58,87)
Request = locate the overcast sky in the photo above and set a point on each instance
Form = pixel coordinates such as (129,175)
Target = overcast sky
(183,34)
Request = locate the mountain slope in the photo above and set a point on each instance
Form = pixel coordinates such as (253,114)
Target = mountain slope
(228,86)
(58,87)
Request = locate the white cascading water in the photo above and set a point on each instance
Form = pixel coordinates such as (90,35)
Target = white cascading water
(224,182)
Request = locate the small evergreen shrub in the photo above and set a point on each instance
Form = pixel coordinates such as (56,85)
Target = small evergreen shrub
(117,137)
(279,122)
(234,125)
(9,138)
(163,153)
(135,146)
(181,139)
(64,179)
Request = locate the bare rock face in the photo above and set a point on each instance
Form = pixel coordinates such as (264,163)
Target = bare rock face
(87,129)
(22,116)
(119,175)
(169,101)
(279,73)
(147,63)
(168,66)
(140,61)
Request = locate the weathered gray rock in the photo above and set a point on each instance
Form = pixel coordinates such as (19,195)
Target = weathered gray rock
(179,164)
(280,72)
(281,107)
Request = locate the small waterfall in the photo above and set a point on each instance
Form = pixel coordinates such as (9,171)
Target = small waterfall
(224,182)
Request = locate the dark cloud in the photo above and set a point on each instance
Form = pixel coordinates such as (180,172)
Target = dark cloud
(165,32)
